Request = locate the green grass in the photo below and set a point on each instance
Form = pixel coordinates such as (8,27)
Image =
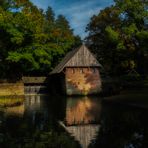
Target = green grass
(11,89)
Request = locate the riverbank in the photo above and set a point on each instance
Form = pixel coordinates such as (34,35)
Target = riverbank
(11,89)
(110,86)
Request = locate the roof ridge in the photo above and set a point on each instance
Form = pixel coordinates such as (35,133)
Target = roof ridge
(65,60)
(69,56)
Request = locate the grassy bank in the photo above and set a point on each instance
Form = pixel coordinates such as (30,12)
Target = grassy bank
(11,89)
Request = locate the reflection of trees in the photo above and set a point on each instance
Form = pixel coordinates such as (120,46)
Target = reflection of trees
(36,128)
(22,134)
(122,127)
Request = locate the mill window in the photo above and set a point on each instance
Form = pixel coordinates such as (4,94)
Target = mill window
(73,70)
(81,70)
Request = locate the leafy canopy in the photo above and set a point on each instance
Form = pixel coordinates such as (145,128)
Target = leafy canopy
(31,41)
(118,35)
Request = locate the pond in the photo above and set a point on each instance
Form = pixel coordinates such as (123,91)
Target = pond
(42,121)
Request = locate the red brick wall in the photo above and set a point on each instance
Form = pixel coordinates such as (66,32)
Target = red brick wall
(82,81)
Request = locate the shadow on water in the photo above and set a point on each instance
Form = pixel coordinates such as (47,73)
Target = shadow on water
(122,127)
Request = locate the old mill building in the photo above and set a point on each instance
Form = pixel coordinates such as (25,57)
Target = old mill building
(78,73)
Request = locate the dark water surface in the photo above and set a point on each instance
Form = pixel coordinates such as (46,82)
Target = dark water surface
(73,122)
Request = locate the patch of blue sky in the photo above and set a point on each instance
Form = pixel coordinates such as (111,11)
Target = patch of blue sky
(78,12)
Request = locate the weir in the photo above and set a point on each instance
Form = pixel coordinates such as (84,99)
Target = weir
(35,85)
(37,89)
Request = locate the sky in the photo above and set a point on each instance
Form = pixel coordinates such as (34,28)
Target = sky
(77,12)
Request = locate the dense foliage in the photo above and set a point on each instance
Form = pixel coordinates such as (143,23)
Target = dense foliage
(118,35)
(31,41)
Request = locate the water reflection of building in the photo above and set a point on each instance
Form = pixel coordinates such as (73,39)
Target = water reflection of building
(82,119)
(82,110)
(36,110)
(33,102)
(84,134)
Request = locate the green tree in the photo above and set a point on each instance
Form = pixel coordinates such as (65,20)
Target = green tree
(49,15)
(62,38)
(118,35)
(32,41)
